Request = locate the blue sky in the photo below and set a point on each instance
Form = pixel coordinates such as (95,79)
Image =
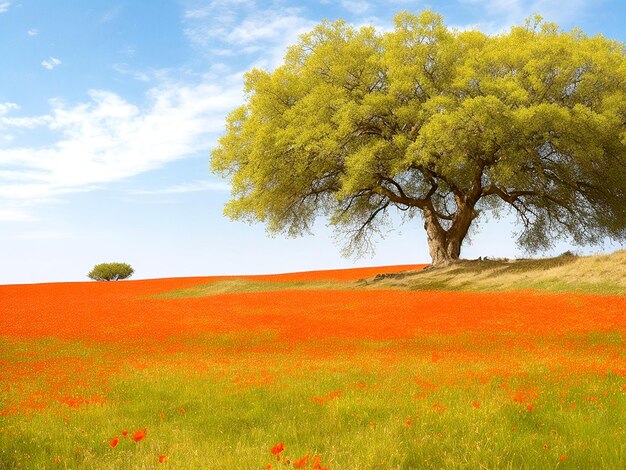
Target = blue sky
(109,110)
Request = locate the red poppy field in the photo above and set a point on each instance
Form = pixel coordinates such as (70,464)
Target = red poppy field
(116,375)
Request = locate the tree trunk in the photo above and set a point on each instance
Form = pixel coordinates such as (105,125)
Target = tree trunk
(445,245)
(443,249)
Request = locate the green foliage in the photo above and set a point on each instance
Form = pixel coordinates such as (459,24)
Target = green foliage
(110,272)
(438,123)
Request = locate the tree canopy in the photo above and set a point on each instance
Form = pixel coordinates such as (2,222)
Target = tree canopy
(111,272)
(438,123)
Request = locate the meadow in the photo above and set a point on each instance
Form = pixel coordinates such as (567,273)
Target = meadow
(328,369)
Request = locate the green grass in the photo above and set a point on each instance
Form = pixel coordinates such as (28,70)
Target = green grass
(239,402)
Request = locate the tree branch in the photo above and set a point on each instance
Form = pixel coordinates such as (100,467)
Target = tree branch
(509,197)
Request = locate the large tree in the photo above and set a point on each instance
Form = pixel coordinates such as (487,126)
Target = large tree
(438,123)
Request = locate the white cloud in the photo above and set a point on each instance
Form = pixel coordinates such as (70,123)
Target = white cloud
(32,32)
(50,63)
(229,28)
(8,214)
(257,29)
(29,122)
(6,107)
(192,187)
(107,138)
(4,6)
(356,7)
(16,122)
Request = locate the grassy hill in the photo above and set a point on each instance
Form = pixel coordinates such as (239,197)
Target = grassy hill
(598,274)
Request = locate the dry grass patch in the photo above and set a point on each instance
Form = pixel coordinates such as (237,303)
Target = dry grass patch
(236,286)
(598,274)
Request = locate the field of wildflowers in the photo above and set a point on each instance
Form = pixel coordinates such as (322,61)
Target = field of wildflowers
(116,375)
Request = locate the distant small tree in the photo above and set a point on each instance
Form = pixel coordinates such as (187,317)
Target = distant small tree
(110,272)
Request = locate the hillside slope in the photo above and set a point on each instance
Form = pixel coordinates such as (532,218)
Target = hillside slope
(598,274)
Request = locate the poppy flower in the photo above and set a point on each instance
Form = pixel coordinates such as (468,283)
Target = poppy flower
(114,442)
(181,410)
(124,433)
(162,458)
(278,448)
(140,435)
(562,458)
(301,463)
